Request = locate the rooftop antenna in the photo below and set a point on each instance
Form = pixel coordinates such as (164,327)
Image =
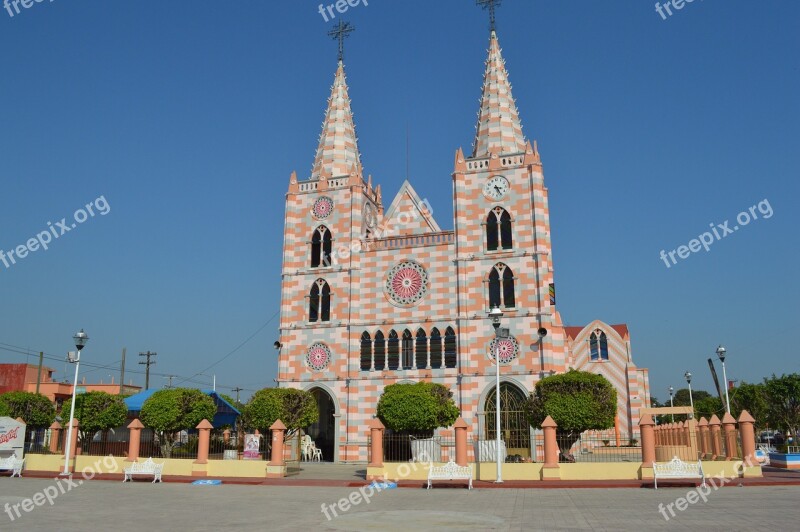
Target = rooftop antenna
(341,32)
(491,5)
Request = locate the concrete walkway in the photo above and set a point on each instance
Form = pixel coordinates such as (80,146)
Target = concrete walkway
(105,505)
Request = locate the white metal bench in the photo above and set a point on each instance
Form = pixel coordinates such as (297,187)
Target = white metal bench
(449,471)
(148,467)
(677,468)
(13,464)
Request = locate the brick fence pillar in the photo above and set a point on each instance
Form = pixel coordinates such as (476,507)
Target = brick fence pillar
(202,445)
(748,436)
(716,443)
(702,427)
(376,429)
(461,442)
(55,434)
(551,469)
(648,440)
(135,428)
(73,444)
(276,467)
(729,429)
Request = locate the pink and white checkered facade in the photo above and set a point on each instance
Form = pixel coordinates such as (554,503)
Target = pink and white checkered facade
(393,269)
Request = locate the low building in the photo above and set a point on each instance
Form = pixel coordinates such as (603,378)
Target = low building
(24,378)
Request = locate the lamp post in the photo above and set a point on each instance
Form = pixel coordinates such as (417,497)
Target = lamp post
(688,377)
(670,403)
(721,354)
(80,341)
(495,314)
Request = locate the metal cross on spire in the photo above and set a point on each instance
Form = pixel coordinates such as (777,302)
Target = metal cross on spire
(491,5)
(341,32)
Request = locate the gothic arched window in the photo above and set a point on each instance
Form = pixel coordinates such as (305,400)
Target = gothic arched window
(366,351)
(321,247)
(380,351)
(501,287)
(436,348)
(598,345)
(408,350)
(422,349)
(319,301)
(394,350)
(450,356)
(498,230)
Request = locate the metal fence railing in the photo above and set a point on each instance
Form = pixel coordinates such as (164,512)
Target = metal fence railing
(598,448)
(410,448)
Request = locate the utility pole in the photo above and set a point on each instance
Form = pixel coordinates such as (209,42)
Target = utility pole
(170,377)
(39,374)
(122,372)
(237,390)
(147,363)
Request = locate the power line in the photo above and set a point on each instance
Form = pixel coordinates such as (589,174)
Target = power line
(11,348)
(234,350)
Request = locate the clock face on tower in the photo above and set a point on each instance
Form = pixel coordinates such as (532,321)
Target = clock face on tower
(496,188)
(370,215)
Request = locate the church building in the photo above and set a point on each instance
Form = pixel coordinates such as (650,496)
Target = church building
(375,293)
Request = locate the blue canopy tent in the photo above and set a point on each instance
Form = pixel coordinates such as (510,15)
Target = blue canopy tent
(226,412)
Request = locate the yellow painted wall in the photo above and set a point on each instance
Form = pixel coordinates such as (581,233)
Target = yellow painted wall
(601,471)
(237,468)
(488,471)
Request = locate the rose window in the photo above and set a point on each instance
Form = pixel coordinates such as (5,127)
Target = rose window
(407,283)
(323,207)
(507,349)
(318,356)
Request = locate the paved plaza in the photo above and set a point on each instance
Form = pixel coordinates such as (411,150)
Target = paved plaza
(112,505)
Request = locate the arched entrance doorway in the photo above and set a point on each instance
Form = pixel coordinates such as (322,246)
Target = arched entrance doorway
(514,427)
(323,432)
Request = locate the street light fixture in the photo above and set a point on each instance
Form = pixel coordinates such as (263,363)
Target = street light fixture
(721,354)
(671,389)
(688,377)
(80,339)
(496,314)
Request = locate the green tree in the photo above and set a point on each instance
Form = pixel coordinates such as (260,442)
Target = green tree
(297,409)
(753,398)
(34,408)
(783,397)
(172,410)
(4,409)
(681,397)
(96,411)
(577,401)
(421,407)
(709,406)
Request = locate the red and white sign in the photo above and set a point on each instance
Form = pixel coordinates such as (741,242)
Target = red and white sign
(12,437)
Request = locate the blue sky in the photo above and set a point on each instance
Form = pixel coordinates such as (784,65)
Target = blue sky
(188,118)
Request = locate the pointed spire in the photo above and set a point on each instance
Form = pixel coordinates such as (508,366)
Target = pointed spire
(499,129)
(338,144)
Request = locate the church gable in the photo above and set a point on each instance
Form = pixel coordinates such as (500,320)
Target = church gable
(409,215)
